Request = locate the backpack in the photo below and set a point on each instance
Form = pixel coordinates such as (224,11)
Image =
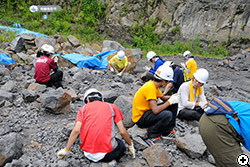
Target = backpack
(217,106)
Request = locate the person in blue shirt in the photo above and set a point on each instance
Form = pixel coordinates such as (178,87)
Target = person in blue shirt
(180,76)
(223,133)
(153,58)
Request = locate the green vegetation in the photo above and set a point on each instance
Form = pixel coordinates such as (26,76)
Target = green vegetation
(81,18)
(7,36)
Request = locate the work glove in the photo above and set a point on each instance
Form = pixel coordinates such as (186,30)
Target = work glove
(183,65)
(202,104)
(132,150)
(119,74)
(146,68)
(111,69)
(174,99)
(63,153)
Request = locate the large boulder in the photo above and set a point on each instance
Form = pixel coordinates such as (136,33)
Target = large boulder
(55,101)
(10,147)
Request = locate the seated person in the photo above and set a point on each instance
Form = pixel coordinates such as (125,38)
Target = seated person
(157,61)
(192,97)
(119,63)
(43,66)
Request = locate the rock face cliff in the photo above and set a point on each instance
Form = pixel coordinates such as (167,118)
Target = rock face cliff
(214,20)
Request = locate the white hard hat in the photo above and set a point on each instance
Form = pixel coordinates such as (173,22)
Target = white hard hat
(187,53)
(201,75)
(165,72)
(48,48)
(120,55)
(90,91)
(150,55)
(44,46)
(169,63)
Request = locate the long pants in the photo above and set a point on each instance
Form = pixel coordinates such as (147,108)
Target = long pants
(116,154)
(189,114)
(117,69)
(221,139)
(55,79)
(161,123)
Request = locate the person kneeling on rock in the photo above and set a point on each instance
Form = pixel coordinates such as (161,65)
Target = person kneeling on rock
(95,123)
(43,66)
(119,63)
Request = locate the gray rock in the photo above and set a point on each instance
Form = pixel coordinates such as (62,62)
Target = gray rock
(74,41)
(192,149)
(29,96)
(125,105)
(10,147)
(17,44)
(110,95)
(4,95)
(9,86)
(112,45)
(155,155)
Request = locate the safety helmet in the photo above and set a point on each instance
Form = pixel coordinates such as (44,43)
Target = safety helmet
(120,55)
(187,54)
(44,46)
(94,92)
(201,75)
(164,73)
(169,63)
(48,48)
(150,55)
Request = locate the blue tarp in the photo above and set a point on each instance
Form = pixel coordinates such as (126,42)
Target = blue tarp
(6,59)
(99,61)
(20,31)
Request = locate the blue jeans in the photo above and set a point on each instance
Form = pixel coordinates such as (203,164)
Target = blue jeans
(161,123)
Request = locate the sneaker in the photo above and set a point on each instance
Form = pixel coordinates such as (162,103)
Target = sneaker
(171,135)
(152,141)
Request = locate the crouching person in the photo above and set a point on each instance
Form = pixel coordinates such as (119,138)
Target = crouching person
(95,122)
(43,67)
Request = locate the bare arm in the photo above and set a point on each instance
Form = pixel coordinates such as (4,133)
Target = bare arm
(157,108)
(165,98)
(124,69)
(73,135)
(124,133)
(168,87)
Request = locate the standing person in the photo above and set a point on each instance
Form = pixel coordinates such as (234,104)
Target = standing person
(223,133)
(43,66)
(146,113)
(95,122)
(119,63)
(180,76)
(191,65)
(192,97)
(157,61)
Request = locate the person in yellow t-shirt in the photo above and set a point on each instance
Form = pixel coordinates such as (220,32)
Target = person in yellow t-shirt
(146,113)
(191,65)
(119,63)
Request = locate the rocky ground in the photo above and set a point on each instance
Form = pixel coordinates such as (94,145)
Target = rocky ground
(31,135)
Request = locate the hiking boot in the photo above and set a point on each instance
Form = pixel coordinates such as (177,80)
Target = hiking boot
(171,135)
(153,141)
